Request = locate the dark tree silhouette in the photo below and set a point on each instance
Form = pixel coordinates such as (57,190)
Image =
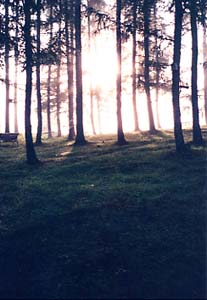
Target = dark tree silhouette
(120,133)
(80,138)
(146,10)
(38,80)
(197,135)
(30,151)
(7,83)
(179,140)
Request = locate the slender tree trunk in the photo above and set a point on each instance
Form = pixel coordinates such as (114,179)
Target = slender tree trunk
(197,135)
(48,102)
(179,140)
(58,74)
(80,138)
(69,56)
(6,5)
(120,133)
(38,80)
(157,69)
(205,68)
(134,74)
(91,86)
(30,151)
(16,54)
(58,101)
(146,65)
(49,81)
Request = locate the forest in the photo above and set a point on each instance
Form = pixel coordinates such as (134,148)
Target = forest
(103,169)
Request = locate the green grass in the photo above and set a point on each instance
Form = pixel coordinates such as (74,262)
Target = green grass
(110,221)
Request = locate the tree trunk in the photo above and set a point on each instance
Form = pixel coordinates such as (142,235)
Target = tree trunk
(58,101)
(49,80)
(120,133)
(179,140)
(205,68)
(6,5)
(146,66)
(91,86)
(157,70)
(80,139)
(58,73)
(30,151)
(197,136)
(16,54)
(134,74)
(70,81)
(38,80)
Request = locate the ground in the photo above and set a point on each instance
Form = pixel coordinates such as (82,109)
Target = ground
(104,221)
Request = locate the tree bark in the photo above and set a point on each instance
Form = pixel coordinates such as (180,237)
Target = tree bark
(179,140)
(205,68)
(197,135)
(30,151)
(157,69)
(120,133)
(134,74)
(38,80)
(80,138)
(49,80)
(6,6)
(146,66)
(16,54)
(70,61)
(91,86)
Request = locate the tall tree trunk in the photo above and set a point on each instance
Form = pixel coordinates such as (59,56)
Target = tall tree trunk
(38,80)
(6,6)
(197,135)
(205,68)
(120,133)
(16,55)
(58,101)
(30,151)
(49,134)
(91,86)
(179,140)
(134,73)
(157,68)
(146,65)
(58,73)
(49,80)
(69,36)
(80,138)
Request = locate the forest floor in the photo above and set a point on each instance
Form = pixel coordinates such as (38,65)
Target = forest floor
(104,221)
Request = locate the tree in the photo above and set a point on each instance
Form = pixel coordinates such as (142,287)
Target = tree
(134,74)
(179,140)
(80,138)
(16,57)
(69,40)
(30,151)
(89,12)
(120,133)
(146,11)
(157,65)
(197,135)
(7,46)
(38,80)
(205,68)
(49,71)
(59,51)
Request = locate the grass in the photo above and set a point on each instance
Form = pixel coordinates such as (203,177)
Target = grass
(103,221)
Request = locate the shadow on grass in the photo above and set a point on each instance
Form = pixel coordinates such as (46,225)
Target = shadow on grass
(105,253)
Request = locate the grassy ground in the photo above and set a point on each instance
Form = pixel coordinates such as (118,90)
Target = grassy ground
(103,221)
